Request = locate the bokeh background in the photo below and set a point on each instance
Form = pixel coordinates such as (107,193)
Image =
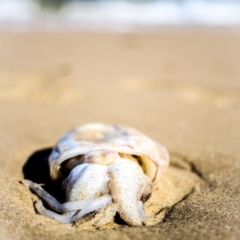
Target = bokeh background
(118,15)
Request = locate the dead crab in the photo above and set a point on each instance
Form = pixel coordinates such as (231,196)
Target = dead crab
(102,167)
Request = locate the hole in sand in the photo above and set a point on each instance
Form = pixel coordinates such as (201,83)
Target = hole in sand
(178,181)
(36,169)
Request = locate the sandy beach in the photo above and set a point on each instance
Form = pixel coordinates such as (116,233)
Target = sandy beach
(180,87)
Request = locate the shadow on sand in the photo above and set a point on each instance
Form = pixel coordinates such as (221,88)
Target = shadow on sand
(36,169)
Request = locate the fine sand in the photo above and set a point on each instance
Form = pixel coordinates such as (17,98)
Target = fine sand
(180,88)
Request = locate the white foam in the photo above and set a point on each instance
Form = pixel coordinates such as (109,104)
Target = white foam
(119,15)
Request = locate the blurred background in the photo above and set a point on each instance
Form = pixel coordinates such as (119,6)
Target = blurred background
(118,15)
(160,61)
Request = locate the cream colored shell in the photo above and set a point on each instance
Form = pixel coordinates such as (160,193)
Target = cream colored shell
(152,156)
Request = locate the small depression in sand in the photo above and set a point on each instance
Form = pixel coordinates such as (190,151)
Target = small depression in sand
(177,182)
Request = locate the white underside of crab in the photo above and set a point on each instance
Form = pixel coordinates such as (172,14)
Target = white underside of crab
(91,186)
(103,178)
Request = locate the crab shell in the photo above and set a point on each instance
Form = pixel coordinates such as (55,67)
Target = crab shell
(151,156)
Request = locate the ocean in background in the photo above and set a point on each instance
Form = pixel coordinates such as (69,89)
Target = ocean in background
(122,16)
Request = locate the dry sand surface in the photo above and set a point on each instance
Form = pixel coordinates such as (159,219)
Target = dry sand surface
(180,88)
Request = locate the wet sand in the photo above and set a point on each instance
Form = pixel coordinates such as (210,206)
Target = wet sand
(180,88)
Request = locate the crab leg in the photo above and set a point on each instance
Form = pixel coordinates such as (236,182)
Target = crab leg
(127,186)
(141,211)
(48,213)
(76,205)
(92,206)
(53,203)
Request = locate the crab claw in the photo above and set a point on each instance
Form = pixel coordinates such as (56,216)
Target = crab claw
(128,187)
